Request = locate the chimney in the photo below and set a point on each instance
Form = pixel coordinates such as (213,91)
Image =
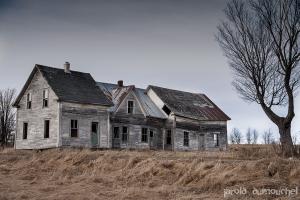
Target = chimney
(67,67)
(120,83)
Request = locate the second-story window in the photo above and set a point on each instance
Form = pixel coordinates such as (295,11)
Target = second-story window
(29,99)
(45,98)
(130,107)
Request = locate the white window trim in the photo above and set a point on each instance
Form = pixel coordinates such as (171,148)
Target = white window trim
(70,128)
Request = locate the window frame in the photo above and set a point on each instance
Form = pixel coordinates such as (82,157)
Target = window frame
(124,134)
(216,139)
(46,135)
(74,128)
(169,135)
(144,135)
(45,98)
(186,138)
(133,106)
(25,136)
(29,100)
(118,132)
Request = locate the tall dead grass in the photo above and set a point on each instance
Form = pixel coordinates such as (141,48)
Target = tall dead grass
(79,174)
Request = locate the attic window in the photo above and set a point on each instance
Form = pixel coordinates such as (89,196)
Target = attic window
(166,110)
(130,106)
(45,98)
(29,99)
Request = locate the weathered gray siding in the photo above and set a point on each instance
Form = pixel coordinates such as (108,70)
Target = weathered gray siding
(36,115)
(85,114)
(122,109)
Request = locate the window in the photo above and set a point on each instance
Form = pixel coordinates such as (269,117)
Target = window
(25,130)
(144,135)
(116,132)
(94,127)
(29,99)
(166,110)
(124,134)
(216,139)
(74,128)
(46,128)
(186,139)
(45,98)
(151,133)
(130,105)
(169,137)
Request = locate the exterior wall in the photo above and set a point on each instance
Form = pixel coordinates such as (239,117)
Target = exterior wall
(36,115)
(197,128)
(122,109)
(85,114)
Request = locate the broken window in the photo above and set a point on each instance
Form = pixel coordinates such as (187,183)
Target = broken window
(45,98)
(130,106)
(166,110)
(116,132)
(46,128)
(144,135)
(169,137)
(151,133)
(25,130)
(124,134)
(186,139)
(216,139)
(29,99)
(74,128)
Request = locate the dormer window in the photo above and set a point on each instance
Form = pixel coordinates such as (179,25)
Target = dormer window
(45,98)
(166,110)
(29,99)
(130,107)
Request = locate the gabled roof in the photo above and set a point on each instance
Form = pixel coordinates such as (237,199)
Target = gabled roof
(118,94)
(74,87)
(189,105)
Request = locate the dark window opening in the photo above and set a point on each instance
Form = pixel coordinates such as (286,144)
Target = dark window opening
(46,128)
(25,130)
(45,98)
(186,139)
(169,137)
(216,139)
(94,127)
(116,132)
(130,106)
(124,134)
(74,128)
(144,135)
(166,110)
(29,99)
(151,133)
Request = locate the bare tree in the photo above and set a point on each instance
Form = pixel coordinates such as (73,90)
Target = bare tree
(249,136)
(7,114)
(261,40)
(268,137)
(235,136)
(254,136)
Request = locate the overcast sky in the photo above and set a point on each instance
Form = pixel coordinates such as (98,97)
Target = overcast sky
(168,43)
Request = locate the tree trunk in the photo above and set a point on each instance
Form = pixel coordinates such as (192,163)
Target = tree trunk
(286,140)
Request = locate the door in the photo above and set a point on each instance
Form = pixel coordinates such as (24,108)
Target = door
(116,143)
(201,142)
(95,135)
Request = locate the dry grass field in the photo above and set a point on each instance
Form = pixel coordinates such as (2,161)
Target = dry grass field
(72,174)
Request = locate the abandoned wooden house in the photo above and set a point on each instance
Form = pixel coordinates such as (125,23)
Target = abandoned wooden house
(64,108)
